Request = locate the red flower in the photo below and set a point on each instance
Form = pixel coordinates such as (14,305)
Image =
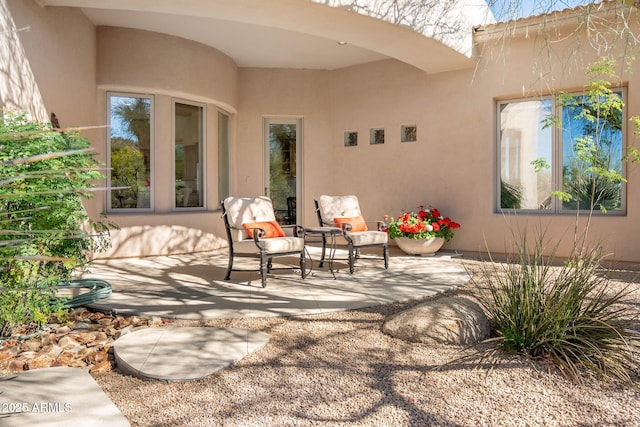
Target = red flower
(424,223)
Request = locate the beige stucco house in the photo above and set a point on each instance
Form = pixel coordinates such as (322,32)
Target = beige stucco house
(428,105)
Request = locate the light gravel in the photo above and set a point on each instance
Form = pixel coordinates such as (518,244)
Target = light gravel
(339,369)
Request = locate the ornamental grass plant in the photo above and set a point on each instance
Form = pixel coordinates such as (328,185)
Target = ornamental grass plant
(563,313)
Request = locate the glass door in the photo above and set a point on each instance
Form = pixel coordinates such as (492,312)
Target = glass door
(282,146)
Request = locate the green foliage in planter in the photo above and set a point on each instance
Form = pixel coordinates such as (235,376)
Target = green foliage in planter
(45,232)
(563,313)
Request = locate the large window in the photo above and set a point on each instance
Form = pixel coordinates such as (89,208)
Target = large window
(188,155)
(130,151)
(551,149)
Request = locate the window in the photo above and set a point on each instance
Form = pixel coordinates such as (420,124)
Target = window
(351,139)
(408,133)
(188,155)
(552,145)
(376,136)
(130,151)
(223,156)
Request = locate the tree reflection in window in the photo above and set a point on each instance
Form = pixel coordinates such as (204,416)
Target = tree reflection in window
(130,152)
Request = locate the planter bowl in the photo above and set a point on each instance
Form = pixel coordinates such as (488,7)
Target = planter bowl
(419,246)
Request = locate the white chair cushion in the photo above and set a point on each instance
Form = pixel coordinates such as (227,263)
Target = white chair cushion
(273,245)
(338,207)
(242,210)
(364,238)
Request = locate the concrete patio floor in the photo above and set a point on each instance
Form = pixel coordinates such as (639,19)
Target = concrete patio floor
(192,286)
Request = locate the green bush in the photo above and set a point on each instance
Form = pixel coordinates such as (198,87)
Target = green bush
(563,313)
(45,233)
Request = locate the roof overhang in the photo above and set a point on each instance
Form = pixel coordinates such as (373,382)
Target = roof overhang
(311,34)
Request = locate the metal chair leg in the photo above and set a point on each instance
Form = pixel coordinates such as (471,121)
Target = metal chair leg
(230,267)
(385,254)
(263,269)
(352,260)
(324,248)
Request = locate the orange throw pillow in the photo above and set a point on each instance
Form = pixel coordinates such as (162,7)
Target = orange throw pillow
(357,223)
(271,229)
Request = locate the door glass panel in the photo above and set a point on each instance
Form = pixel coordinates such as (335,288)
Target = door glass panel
(282,170)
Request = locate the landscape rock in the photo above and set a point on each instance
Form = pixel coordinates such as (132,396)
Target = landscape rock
(67,343)
(83,339)
(82,325)
(40,361)
(448,320)
(101,368)
(33,344)
(97,357)
(51,350)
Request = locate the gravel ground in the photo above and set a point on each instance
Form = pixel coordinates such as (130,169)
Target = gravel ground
(340,369)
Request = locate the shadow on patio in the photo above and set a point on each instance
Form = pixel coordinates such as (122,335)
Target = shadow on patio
(191,286)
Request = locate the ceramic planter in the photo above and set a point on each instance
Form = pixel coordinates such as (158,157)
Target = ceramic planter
(419,246)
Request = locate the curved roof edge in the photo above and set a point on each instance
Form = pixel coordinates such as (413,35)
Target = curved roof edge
(571,16)
(431,35)
(447,21)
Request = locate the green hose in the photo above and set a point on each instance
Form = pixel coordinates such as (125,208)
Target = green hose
(98,289)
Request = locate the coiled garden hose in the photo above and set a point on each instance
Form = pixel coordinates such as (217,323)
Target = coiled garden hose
(98,289)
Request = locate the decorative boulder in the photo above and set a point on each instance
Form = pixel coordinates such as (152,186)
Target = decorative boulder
(448,320)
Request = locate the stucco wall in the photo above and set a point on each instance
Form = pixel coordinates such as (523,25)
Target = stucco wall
(285,93)
(538,66)
(169,68)
(49,64)
(65,67)
(453,165)
(159,63)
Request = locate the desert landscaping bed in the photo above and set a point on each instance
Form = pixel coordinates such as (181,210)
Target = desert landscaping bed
(340,369)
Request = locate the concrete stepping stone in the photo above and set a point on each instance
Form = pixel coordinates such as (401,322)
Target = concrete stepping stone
(177,353)
(53,397)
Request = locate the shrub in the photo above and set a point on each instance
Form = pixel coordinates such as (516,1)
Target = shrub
(563,313)
(45,233)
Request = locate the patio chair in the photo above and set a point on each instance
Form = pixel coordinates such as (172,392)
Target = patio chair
(344,212)
(252,231)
